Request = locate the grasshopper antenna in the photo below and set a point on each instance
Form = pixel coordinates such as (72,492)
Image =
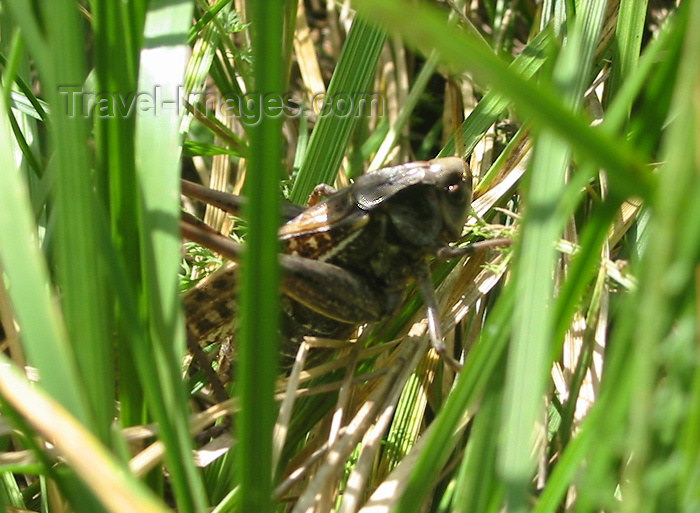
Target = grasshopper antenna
(196,231)
(457,114)
(229,202)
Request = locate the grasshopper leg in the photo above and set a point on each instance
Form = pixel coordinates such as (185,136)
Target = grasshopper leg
(449,252)
(332,291)
(312,283)
(320,192)
(425,285)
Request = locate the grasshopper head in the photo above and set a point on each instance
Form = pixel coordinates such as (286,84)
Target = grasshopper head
(454,188)
(427,202)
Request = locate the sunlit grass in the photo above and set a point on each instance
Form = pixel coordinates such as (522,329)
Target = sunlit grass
(580,389)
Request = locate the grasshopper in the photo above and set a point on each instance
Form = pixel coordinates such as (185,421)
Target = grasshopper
(347,259)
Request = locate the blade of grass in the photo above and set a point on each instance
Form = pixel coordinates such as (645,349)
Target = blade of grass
(259,303)
(25,18)
(664,275)
(493,104)
(351,79)
(157,150)
(70,170)
(27,279)
(205,19)
(115,72)
(529,362)
(27,102)
(690,446)
(628,41)
(81,268)
(204,49)
(478,484)
(595,232)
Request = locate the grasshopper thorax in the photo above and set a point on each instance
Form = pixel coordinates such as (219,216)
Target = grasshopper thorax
(426,202)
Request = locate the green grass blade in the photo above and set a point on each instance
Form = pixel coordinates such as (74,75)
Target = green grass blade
(81,265)
(478,484)
(115,74)
(493,104)
(529,357)
(27,280)
(669,267)
(628,41)
(259,303)
(157,150)
(351,79)
(690,448)
(25,18)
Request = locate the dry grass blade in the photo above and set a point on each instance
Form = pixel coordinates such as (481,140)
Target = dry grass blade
(386,392)
(119,491)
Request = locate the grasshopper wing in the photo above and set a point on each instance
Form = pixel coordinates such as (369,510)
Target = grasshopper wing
(320,229)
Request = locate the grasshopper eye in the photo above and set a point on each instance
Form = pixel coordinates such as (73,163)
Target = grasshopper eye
(455,193)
